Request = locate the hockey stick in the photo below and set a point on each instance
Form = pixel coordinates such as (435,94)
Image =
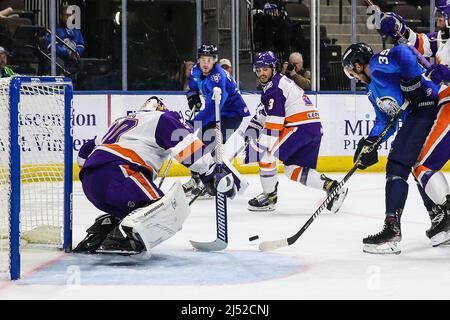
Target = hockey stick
(221,241)
(276,244)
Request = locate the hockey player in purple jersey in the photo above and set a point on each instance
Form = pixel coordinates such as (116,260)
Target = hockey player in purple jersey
(205,76)
(118,173)
(287,128)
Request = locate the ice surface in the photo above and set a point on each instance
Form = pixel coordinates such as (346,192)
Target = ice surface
(326,262)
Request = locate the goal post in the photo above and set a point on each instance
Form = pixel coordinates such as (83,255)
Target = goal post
(36,166)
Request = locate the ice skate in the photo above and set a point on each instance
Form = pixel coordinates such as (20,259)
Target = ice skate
(264,201)
(439,232)
(97,233)
(122,241)
(329,186)
(387,240)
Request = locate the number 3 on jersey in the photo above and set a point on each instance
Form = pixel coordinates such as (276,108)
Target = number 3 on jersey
(382,58)
(118,129)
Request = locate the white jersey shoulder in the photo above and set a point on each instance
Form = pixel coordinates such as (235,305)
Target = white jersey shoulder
(298,106)
(141,137)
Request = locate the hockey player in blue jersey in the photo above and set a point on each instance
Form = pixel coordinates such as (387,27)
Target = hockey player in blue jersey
(206,75)
(392,76)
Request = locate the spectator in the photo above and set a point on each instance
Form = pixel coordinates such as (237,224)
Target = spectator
(294,70)
(226,65)
(5,71)
(6,12)
(184,74)
(72,38)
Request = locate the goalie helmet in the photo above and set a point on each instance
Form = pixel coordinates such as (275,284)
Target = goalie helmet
(265,59)
(208,50)
(153,104)
(356,53)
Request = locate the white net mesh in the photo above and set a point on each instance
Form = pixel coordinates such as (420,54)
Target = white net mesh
(41,137)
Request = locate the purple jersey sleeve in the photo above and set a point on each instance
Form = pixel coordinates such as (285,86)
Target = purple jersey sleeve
(170,130)
(85,150)
(274,104)
(172,133)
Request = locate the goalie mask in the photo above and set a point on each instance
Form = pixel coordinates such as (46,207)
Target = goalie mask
(153,104)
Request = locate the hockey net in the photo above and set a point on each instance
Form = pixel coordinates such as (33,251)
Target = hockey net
(41,141)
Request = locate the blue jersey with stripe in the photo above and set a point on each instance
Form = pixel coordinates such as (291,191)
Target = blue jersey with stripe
(386,69)
(231,105)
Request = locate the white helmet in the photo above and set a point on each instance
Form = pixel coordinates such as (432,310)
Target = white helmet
(153,104)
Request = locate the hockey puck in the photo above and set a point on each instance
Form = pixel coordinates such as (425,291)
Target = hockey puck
(253,238)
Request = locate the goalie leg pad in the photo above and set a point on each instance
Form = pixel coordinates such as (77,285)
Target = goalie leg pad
(160,220)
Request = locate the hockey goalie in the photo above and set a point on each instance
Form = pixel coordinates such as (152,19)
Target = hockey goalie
(118,173)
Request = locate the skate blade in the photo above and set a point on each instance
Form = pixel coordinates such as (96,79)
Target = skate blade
(262,209)
(440,238)
(340,200)
(385,248)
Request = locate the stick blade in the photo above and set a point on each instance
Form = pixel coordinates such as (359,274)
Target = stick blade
(273,245)
(216,245)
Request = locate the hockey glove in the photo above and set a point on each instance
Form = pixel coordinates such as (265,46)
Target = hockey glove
(438,73)
(362,156)
(391,24)
(417,93)
(194,102)
(219,178)
(253,130)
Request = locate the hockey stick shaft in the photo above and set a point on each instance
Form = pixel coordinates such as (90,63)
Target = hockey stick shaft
(275,244)
(221,241)
(221,199)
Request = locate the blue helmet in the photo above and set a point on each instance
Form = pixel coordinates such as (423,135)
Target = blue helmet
(356,53)
(265,59)
(207,50)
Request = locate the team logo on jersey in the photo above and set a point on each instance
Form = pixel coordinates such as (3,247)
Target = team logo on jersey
(388,105)
(215,77)
(267,86)
(307,101)
(429,92)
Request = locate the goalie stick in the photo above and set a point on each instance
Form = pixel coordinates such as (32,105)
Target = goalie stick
(221,241)
(276,244)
